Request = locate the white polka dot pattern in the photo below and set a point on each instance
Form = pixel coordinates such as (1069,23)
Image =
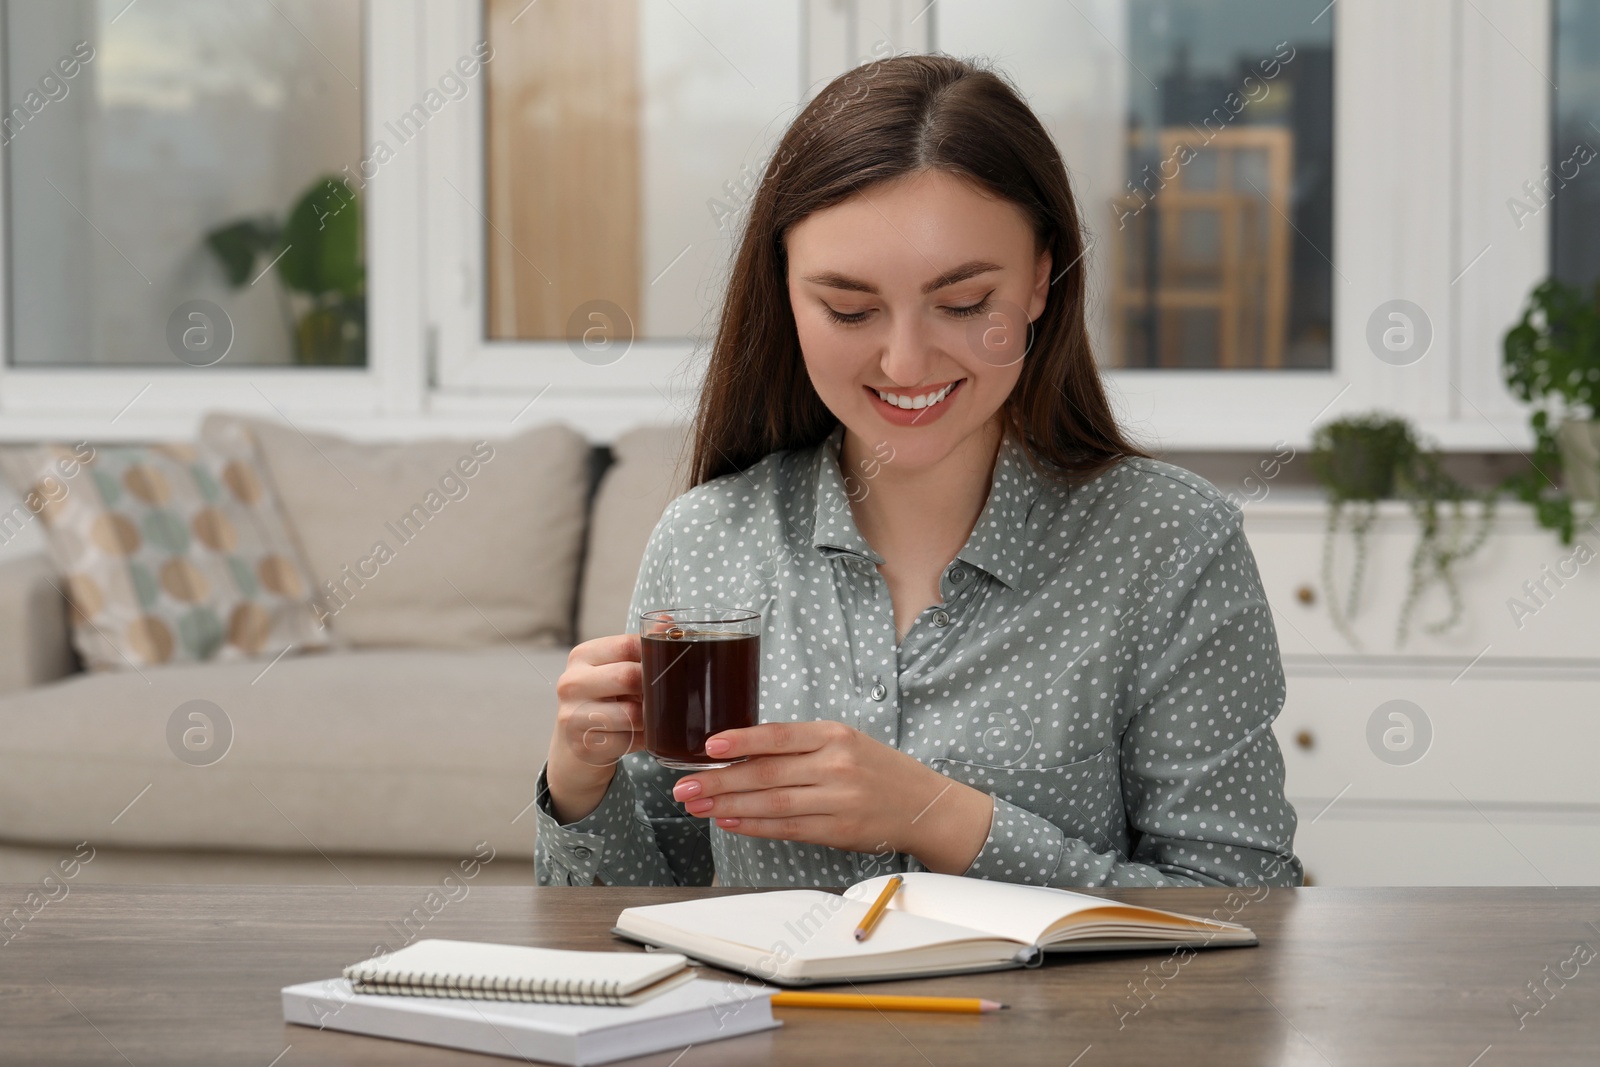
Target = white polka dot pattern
(1103,663)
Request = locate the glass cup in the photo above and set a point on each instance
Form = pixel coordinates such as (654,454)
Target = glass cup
(702,675)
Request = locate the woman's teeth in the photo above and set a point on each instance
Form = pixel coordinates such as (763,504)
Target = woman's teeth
(909,402)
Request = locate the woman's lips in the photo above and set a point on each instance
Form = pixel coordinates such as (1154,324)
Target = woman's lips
(922,416)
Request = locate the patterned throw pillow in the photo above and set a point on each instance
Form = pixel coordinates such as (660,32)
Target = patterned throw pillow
(170,553)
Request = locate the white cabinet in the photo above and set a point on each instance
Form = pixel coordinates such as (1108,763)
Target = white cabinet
(1469,757)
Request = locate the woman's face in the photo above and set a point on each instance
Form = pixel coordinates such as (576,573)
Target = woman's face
(916,287)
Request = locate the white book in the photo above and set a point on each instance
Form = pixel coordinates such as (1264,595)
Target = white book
(577,1034)
(935,924)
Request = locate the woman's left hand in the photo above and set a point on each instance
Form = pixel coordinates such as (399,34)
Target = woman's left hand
(825,783)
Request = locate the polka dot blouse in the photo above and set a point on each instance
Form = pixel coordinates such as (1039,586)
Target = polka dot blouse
(1103,663)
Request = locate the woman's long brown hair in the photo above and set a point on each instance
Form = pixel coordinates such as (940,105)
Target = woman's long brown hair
(881,121)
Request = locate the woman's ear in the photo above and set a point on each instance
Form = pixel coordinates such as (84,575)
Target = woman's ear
(1041,285)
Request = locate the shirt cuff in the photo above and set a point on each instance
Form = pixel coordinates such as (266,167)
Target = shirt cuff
(1021,847)
(575,851)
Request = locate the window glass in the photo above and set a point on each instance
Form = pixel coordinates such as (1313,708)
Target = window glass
(1573,185)
(167,192)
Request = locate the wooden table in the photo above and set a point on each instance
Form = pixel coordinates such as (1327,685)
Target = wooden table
(153,975)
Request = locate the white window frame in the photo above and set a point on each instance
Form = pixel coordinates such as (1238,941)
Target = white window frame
(1431,106)
(1505,71)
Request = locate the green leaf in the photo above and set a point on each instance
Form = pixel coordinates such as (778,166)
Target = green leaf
(322,242)
(1553,352)
(236,245)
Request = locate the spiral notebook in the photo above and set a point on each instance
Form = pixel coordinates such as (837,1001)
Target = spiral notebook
(482,971)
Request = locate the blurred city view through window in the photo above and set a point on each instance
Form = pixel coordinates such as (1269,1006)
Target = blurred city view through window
(1571,186)
(1224,237)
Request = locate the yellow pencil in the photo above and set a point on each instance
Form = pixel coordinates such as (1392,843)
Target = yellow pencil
(875,912)
(875,1002)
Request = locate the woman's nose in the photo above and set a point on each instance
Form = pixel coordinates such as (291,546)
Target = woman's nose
(908,355)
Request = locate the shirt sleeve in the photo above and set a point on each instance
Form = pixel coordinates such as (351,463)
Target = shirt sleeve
(638,835)
(1202,775)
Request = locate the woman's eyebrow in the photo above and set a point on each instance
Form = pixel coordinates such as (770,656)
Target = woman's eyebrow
(835,280)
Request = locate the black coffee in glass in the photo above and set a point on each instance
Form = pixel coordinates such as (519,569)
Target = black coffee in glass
(702,675)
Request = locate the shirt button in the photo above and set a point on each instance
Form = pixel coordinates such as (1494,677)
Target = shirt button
(582,853)
(957,575)
(941,618)
(879,691)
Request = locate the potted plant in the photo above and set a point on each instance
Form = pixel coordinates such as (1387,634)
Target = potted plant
(1363,459)
(317,253)
(1552,362)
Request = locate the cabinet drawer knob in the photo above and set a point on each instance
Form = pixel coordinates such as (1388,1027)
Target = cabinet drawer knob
(1306,740)
(1306,595)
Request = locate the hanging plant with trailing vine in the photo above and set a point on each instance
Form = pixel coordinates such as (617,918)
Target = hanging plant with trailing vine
(1364,459)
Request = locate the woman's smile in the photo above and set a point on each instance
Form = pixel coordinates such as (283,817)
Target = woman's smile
(904,407)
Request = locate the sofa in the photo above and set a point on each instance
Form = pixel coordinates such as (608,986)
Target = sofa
(390,760)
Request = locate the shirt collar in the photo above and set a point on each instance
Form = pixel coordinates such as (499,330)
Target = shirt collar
(998,542)
(834,526)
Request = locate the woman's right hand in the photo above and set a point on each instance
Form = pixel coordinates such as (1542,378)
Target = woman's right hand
(599,720)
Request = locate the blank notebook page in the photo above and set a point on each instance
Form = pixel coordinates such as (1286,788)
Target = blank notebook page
(811,924)
(1005,909)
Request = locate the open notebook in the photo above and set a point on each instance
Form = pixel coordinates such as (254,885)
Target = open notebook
(482,971)
(936,924)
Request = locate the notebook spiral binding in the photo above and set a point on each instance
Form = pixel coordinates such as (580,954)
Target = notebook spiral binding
(480,987)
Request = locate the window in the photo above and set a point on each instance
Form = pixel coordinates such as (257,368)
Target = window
(617,175)
(167,196)
(1310,164)
(1573,188)
(1200,144)
(1220,247)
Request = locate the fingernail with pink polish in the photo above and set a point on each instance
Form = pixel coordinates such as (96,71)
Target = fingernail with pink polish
(685,790)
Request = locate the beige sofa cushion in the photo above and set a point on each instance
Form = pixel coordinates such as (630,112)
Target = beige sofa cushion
(435,543)
(169,553)
(650,471)
(384,751)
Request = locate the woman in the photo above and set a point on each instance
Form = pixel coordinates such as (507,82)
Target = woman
(999,640)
